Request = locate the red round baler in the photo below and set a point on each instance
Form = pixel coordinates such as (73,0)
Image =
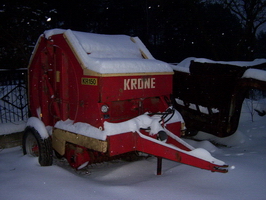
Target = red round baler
(94,96)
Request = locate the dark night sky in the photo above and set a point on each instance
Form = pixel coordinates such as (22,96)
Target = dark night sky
(172,30)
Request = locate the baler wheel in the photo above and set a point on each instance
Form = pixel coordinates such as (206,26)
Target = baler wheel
(34,145)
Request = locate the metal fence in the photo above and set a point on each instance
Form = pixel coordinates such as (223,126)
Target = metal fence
(13,95)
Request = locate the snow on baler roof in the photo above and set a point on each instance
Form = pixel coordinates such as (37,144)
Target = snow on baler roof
(111,54)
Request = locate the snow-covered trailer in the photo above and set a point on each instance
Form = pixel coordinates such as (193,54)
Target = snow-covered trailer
(94,96)
(209,94)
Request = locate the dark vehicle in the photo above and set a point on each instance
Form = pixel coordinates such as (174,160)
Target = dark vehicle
(209,94)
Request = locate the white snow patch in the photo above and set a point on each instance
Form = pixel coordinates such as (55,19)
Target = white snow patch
(204,144)
(183,66)
(255,74)
(81,128)
(83,165)
(177,117)
(39,126)
(143,48)
(12,127)
(133,125)
(108,54)
(233,140)
(236,63)
(51,32)
(192,106)
(205,155)
(181,141)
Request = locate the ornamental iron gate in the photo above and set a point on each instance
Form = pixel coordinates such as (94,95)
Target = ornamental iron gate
(13,95)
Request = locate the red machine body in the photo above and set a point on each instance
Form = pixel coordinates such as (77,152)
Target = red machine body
(61,89)
(70,82)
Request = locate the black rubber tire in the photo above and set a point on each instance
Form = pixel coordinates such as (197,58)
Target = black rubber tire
(44,151)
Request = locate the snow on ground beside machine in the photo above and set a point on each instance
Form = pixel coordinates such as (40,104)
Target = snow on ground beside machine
(94,97)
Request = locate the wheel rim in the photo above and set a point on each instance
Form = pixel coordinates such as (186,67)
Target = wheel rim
(32,147)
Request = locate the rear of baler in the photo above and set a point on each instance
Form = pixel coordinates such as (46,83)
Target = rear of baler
(100,105)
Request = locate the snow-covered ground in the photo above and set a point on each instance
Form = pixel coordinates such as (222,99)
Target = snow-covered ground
(21,177)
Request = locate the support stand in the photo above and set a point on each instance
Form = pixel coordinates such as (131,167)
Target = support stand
(159,165)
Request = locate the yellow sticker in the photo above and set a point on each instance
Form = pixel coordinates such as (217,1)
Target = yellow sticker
(89,81)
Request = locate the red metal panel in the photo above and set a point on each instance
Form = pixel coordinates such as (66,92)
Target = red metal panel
(127,142)
(174,128)
(39,93)
(159,150)
(88,102)
(122,143)
(131,87)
